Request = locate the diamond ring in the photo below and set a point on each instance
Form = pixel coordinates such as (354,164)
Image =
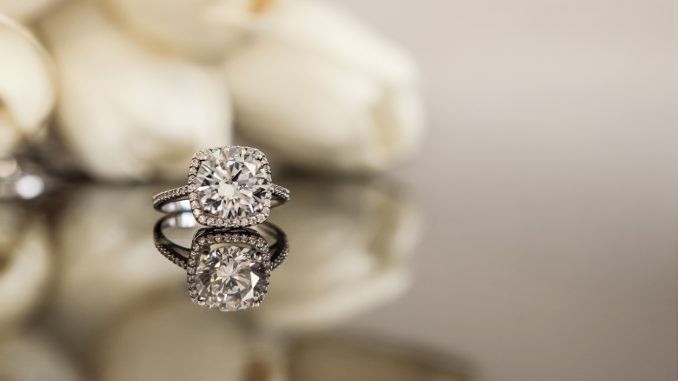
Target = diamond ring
(228,268)
(227,186)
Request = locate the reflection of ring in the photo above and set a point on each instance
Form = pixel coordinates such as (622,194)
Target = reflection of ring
(227,268)
(227,186)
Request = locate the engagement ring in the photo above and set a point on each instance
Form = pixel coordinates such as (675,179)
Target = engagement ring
(227,186)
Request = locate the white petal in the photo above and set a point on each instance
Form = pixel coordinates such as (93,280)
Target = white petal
(128,112)
(27,88)
(25,9)
(200,29)
(327,30)
(320,112)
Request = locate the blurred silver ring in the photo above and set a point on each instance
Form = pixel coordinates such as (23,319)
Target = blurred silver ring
(250,257)
(180,255)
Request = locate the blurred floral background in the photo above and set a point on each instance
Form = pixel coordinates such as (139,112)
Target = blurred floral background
(480,190)
(136,87)
(125,92)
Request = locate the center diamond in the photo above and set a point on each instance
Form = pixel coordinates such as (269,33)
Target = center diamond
(229,278)
(233,182)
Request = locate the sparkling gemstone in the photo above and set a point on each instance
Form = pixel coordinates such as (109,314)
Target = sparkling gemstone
(232,183)
(229,278)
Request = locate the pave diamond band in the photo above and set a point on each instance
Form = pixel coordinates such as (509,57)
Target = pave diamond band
(176,199)
(227,186)
(227,268)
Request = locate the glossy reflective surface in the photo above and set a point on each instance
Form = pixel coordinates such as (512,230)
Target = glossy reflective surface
(86,296)
(371,287)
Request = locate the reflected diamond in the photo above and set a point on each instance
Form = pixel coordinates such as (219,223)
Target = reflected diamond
(229,278)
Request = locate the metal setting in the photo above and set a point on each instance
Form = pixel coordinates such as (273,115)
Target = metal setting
(227,187)
(227,268)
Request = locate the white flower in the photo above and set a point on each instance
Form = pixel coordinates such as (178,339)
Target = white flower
(349,252)
(206,30)
(130,113)
(326,92)
(27,88)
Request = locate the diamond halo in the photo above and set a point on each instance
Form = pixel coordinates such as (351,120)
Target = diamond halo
(229,271)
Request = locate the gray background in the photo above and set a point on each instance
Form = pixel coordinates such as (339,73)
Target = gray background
(547,185)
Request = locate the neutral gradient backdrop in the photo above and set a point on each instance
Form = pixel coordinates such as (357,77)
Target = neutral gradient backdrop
(547,184)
